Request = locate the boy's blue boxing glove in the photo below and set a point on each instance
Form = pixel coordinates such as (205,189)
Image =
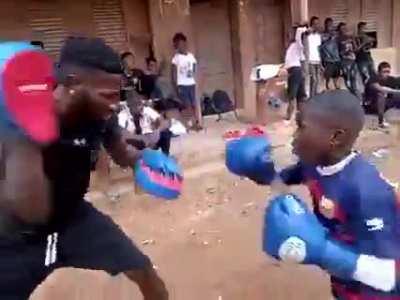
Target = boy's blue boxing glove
(159,175)
(293,233)
(250,156)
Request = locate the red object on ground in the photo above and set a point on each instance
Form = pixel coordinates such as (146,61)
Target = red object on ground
(236,134)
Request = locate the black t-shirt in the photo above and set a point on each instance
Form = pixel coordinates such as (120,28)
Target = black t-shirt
(364,53)
(371,93)
(329,48)
(346,47)
(132,82)
(68,164)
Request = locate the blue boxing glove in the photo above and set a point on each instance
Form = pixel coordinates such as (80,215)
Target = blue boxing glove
(159,175)
(250,156)
(293,233)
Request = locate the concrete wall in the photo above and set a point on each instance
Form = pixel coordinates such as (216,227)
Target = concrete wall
(136,16)
(212,39)
(165,21)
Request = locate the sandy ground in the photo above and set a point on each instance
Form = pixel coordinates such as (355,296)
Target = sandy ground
(207,244)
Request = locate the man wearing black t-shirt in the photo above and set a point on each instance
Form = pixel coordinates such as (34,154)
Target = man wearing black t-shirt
(365,62)
(347,51)
(382,92)
(59,228)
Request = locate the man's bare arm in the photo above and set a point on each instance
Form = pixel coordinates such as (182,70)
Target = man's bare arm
(385,89)
(24,190)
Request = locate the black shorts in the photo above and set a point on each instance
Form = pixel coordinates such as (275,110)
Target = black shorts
(90,241)
(296,84)
(187,94)
(332,70)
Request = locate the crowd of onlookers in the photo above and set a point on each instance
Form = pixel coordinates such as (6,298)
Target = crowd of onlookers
(335,52)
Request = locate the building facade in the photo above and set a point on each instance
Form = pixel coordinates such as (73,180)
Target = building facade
(228,37)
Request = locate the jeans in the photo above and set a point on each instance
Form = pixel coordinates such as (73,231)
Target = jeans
(314,70)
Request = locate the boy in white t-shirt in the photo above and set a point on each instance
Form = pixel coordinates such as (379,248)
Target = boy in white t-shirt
(183,76)
(313,57)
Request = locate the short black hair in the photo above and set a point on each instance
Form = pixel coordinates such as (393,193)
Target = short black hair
(179,37)
(327,20)
(126,54)
(384,65)
(340,25)
(91,53)
(39,44)
(361,24)
(342,107)
(313,19)
(150,59)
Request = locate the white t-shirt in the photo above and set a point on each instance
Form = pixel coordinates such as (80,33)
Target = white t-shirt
(149,116)
(314,42)
(185,68)
(293,55)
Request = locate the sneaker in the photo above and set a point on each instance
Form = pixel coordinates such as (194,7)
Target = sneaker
(384,125)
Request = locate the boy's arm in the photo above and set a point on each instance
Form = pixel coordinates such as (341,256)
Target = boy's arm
(293,175)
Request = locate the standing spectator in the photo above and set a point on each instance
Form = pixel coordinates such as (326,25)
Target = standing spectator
(330,54)
(347,51)
(382,92)
(149,77)
(183,76)
(365,62)
(313,57)
(132,76)
(296,80)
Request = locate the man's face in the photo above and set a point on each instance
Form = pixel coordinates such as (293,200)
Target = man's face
(95,96)
(385,73)
(129,62)
(329,26)
(315,24)
(362,29)
(311,141)
(343,30)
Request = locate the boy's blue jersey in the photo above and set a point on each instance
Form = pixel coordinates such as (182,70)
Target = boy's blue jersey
(359,207)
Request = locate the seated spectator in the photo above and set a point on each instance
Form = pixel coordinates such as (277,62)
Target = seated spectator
(382,92)
(145,126)
(132,76)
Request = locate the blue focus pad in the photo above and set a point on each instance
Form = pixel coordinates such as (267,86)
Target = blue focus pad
(27,105)
(159,175)
(250,156)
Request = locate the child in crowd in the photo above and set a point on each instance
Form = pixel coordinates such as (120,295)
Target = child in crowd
(183,76)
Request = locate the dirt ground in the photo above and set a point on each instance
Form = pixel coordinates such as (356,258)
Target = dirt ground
(207,245)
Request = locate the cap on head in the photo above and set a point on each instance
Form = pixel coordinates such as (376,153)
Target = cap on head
(26,92)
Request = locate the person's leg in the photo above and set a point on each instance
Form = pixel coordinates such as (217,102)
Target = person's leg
(293,85)
(164,142)
(93,241)
(381,106)
(187,112)
(22,267)
(353,80)
(313,80)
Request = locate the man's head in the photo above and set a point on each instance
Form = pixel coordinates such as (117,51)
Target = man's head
(342,28)
(314,23)
(327,128)
(384,70)
(180,43)
(152,66)
(128,61)
(361,27)
(328,25)
(88,80)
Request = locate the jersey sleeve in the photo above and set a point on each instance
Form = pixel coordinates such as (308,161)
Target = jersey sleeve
(293,175)
(375,215)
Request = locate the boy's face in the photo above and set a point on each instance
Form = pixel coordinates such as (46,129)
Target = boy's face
(312,141)
(152,67)
(315,24)
(343,30)
(182,46)
(129,62)
(329,26)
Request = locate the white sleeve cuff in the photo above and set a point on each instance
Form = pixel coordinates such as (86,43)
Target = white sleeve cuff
(377,273)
